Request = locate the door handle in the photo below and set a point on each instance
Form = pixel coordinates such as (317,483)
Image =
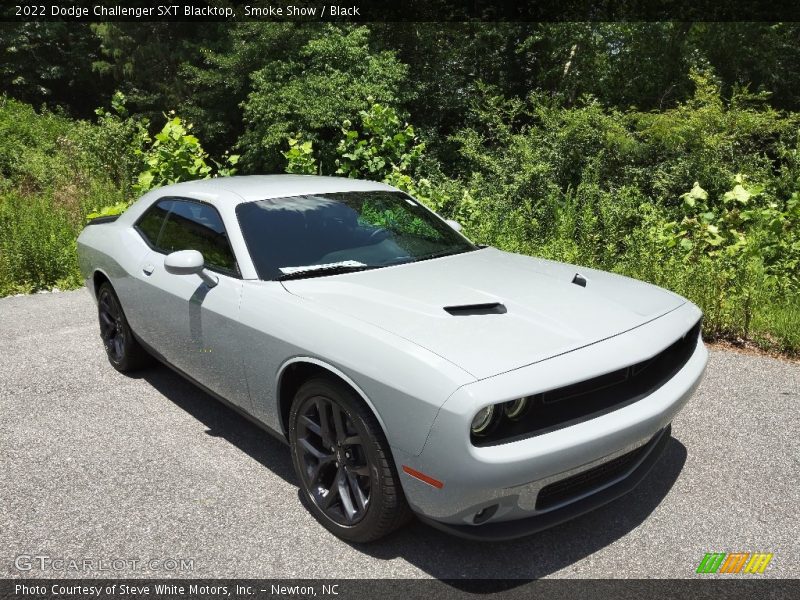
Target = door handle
(148,269)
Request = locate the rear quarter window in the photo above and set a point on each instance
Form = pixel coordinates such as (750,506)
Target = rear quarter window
(149,225)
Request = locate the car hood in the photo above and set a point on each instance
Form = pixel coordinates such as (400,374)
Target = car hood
(540,311)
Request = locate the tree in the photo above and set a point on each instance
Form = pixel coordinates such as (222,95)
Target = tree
(144,60)
(329,80)
(51,63)
(220,82)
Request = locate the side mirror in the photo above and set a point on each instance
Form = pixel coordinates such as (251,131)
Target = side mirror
(189,262)
(454,224)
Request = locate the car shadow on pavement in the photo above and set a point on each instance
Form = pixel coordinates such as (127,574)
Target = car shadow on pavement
(442,556)
(222,421)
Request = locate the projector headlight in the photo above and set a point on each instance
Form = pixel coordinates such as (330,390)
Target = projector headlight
(516,408)
(483,420)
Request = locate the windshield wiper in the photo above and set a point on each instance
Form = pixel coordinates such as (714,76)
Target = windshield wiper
(347,266)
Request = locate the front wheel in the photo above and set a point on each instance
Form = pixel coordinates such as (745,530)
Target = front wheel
(347,478)
(124,353)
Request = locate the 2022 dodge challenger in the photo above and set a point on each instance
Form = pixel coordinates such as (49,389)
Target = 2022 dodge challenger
(409,370)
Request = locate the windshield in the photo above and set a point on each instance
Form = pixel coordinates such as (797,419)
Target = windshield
(325,234)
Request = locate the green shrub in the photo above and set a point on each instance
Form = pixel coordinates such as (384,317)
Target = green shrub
(776,325)
(42,151)
(608,189)
(175,155)
(300,158)
(171,156)
(117,143)
(37,244)
(55,172)
(378,147)
(329,79)
(50,176)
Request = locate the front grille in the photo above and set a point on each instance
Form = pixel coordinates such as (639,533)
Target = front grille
(577,485)
(565,406)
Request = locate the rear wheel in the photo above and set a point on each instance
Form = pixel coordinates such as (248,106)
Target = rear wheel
(124,353)
(347,478)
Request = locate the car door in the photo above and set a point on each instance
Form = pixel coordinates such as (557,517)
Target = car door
(191,324)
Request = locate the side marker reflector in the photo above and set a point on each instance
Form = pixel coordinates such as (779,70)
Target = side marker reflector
(422,477)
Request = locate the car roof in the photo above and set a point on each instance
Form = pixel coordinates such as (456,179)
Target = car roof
(261,187)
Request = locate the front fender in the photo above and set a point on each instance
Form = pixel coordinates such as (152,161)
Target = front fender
(401,382)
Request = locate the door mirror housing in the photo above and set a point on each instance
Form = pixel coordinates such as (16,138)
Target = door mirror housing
(189,262)
(184,262)
(454,224)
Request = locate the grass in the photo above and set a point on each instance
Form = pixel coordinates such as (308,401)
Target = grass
(50,178)
(37,244)
(776,326)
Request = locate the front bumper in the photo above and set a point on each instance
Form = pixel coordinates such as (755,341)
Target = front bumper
(506,480)
(508,530)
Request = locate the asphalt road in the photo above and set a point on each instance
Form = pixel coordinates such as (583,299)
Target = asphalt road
(99,465)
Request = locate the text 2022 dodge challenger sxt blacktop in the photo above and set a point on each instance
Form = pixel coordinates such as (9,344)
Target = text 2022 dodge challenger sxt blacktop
(410,370)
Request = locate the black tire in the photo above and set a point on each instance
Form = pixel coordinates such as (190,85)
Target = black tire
(124,353)
(348,480)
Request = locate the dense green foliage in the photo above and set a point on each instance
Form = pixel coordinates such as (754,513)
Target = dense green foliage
(51,176)
(176,155)
(664,151)
(613,190)
(332,76)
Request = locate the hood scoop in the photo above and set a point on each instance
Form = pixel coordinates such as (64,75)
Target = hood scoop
(466,310)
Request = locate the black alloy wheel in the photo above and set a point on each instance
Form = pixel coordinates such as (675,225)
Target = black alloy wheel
(124,352)
(334,461)
(112,331)
(347,477)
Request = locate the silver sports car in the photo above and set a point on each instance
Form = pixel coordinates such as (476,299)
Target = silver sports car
(410,370)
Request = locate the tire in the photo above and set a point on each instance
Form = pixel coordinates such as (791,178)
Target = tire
(348,480)
(124,353)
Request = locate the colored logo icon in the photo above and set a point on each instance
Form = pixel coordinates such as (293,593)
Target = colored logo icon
(735,562)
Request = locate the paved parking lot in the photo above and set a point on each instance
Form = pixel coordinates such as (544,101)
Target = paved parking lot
(96,464)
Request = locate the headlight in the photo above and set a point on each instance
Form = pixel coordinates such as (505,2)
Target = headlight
(503,415)
(516,408)
(482,421)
